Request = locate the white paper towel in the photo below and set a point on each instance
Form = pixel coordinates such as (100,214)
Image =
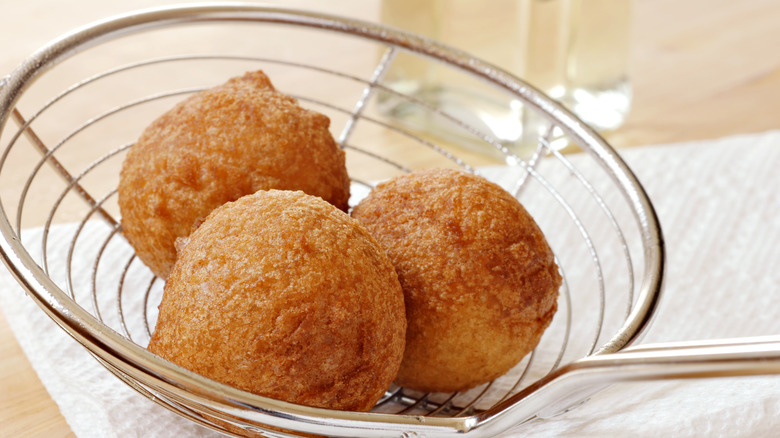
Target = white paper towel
(719,208)
(720,212)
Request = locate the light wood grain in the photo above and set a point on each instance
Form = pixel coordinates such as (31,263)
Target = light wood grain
(25,406)
(701,69)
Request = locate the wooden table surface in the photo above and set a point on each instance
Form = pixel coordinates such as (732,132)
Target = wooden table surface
(700,69)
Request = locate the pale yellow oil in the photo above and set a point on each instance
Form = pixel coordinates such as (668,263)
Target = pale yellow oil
(574,50)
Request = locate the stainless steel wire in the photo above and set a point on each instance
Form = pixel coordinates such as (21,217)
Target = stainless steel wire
(88,280)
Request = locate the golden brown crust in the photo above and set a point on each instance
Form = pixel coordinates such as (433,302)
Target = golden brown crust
(215,147)
(283,295)
(479,279)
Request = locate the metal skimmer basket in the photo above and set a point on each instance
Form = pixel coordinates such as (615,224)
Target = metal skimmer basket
(72,109)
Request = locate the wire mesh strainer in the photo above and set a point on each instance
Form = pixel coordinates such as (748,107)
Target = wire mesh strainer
(81,101)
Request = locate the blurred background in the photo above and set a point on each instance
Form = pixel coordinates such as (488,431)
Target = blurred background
(697,68)
(686,70)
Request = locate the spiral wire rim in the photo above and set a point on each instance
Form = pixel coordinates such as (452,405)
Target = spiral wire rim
(408,403)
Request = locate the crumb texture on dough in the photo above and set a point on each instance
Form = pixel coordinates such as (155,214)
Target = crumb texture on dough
(214,147)
(479,278)
(283,295)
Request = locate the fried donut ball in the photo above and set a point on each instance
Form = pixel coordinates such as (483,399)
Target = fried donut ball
(281,294)
(479,278)
(214,147)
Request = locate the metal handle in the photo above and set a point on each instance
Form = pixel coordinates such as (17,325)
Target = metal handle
(689,359)
(569,386)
